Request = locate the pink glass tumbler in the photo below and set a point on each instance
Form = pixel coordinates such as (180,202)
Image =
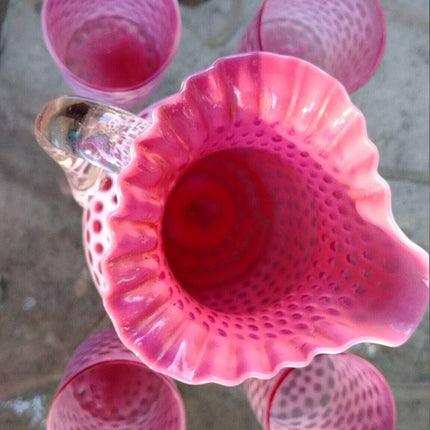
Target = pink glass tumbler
(346,38)
(106,387)
(112,51)
(342,391)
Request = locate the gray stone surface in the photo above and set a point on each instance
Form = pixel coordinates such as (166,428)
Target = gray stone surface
(47,302)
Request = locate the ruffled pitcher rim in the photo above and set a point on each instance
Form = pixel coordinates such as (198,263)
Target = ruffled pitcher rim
(138,301)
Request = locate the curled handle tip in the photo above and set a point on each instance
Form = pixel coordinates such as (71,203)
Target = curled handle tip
(87,139)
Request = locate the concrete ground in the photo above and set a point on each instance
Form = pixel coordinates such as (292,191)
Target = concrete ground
(47,302)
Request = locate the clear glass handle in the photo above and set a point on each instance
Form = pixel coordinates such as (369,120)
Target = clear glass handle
(87,139)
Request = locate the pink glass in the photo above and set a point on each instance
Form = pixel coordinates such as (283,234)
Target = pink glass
(113,51)
(246,229)
(346,38)
(105,386)
(341,391)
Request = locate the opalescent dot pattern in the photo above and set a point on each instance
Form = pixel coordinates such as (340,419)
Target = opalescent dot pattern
(341,391)
(343,37)
(105,390)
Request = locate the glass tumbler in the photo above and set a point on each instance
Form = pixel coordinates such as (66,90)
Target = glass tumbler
(341,391)
(346,38)
(112,51)
(105,387)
